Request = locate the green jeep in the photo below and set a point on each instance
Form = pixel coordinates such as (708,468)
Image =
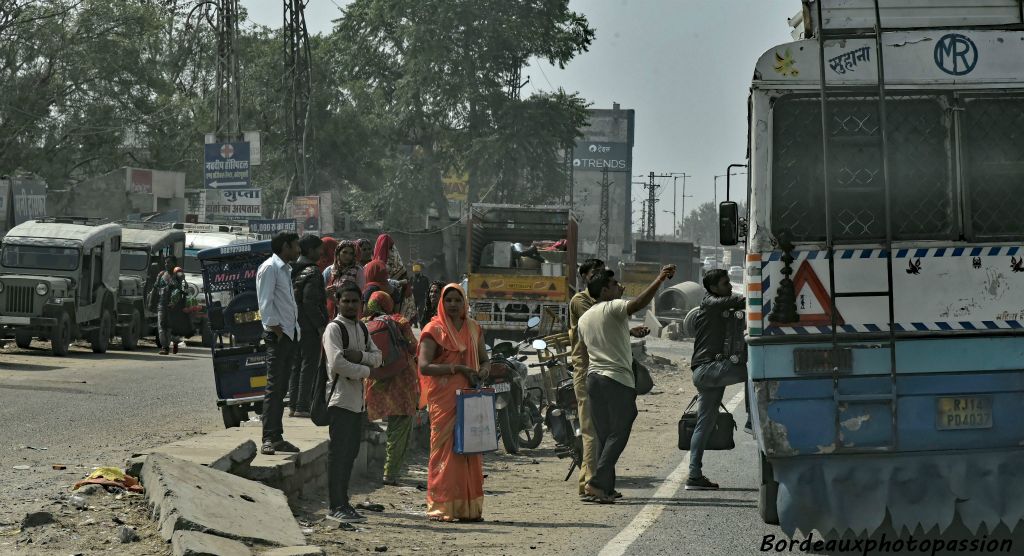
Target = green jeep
(59,281)
(143,249)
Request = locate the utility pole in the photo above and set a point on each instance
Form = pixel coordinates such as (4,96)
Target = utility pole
(228,126)
(297,67)
(676,223)
(652,203)
(602,234)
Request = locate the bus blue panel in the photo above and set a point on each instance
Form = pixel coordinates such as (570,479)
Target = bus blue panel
(945,355)
(802,413)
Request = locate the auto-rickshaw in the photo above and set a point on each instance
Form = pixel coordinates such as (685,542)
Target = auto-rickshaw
(239,353)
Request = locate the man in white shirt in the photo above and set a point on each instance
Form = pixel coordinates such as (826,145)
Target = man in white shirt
(604,334)
(351,357)
(279,315)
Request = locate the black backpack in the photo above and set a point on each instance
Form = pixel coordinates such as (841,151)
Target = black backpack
(318,406)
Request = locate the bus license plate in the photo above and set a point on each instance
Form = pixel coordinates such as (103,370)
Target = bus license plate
(502,387)
(965,412)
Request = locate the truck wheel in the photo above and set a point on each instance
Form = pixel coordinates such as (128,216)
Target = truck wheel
(509,436)
(230,416)
(60,337)
(24,341)
(768,494)
(130,337)
(101,340)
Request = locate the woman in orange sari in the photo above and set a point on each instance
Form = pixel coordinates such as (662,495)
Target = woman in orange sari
(452,356)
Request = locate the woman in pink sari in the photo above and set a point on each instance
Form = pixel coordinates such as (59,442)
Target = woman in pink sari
(451,357)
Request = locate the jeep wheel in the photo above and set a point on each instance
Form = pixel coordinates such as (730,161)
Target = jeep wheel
(130,337)
(60,337)
(24,341)
(101,340)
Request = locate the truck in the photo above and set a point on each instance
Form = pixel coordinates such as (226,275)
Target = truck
(650,256)
(59,281)
(506,288)
(884,267)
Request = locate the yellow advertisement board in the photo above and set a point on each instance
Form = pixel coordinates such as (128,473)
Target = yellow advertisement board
(503,286)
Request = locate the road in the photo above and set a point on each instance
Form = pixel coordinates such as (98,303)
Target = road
(88,410)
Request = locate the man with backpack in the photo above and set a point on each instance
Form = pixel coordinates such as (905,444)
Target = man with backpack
(351,356)
(311,300)
(395,394)
(168,296)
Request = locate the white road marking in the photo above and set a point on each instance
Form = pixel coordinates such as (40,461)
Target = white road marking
(649,515)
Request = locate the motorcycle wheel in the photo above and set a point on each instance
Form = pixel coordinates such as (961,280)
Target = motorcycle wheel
(509,439)
(532,426)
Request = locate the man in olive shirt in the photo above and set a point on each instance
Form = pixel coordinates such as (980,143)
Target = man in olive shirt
(579,304)
(611,387)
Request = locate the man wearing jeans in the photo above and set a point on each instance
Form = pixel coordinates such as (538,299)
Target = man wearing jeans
(604,332)
(281,334)
(351,357)
(311,300)
(716,364)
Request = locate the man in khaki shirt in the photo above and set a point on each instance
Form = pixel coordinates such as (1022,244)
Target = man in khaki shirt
(579,304)
(611,387)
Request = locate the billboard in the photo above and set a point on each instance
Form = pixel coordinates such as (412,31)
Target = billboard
(306,212)
(233,204)
(269,228)
(595,156)
(226,166)
(28,198)
(140,181)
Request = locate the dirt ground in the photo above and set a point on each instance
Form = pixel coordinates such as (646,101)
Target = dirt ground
(528,508)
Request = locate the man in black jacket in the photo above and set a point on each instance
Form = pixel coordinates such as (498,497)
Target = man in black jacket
(311,300)
(719,360)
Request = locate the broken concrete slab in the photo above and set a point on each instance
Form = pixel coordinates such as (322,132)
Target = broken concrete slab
(226,450)
(194,543)
(294,551)
(188,496)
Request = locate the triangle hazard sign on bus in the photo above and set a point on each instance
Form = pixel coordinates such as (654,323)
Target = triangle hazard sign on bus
(812,299)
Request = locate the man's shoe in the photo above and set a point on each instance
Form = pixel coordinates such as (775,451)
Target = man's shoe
(700,483)
(291,413)
(748,428)
(268,448)
(599,495)
(616,494)
(164,351)
(285,446)
(346,514)
(174,348)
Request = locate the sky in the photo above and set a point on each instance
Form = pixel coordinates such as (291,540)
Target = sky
(684,65)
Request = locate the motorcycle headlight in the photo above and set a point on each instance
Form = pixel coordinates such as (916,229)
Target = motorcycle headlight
(42,288)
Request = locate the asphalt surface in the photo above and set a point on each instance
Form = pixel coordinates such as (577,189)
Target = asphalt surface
(87,410)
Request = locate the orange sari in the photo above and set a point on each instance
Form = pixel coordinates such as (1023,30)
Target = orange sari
(455,482)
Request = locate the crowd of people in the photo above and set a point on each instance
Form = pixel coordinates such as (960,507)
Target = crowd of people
(344,311)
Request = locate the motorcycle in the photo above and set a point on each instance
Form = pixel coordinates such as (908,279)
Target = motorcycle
(519,420)
(562,417)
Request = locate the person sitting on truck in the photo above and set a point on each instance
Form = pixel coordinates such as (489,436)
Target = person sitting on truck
(713,369)
(579,304)
(611,385)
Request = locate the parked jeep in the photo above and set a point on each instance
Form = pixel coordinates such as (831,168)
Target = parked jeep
(59,281)
(143,249)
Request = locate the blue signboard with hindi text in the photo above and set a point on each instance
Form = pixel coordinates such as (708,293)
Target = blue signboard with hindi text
(226,166)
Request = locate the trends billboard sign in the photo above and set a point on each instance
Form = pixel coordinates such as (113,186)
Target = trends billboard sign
(595,156)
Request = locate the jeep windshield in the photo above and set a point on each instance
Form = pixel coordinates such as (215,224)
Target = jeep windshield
(39,257)
(134,259)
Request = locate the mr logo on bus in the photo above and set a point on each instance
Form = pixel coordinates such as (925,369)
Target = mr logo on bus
(956,54)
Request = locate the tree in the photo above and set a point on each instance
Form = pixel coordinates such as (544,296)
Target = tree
(440,80)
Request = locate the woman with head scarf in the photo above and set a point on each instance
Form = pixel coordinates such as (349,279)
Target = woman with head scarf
(327,255)
(344,269)
(394,398)
(433,299)
(365,251)
(452,356)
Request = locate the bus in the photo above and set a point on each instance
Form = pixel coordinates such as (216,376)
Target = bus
(884,268)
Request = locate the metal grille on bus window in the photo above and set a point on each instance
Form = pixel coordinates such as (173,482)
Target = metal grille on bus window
(993,147)
(919,169)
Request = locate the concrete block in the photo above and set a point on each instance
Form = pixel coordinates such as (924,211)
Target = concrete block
(273,468)
(194,543)
(187,496)
(222,451)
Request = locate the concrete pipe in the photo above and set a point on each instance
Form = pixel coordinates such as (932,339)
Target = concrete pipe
(674,303)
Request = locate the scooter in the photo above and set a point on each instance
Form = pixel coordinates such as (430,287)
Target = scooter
(519,420)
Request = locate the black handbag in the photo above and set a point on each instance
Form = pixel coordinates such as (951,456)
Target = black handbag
(642,378)
(721,435)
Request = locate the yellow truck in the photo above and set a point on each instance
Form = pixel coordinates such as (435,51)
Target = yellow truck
(521,262)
